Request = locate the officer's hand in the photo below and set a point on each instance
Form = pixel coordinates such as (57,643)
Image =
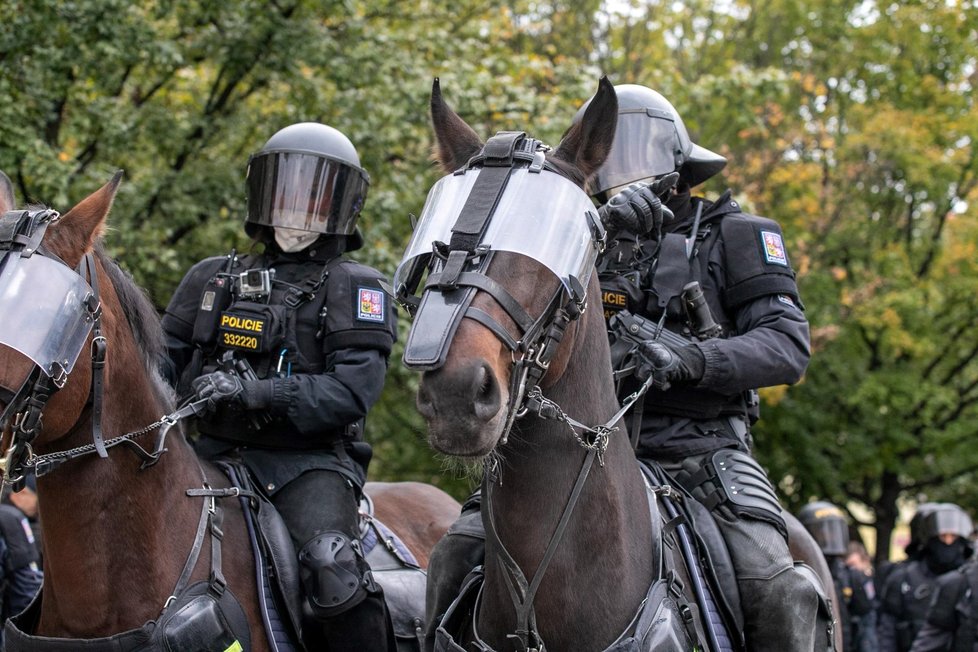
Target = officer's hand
(636,209)
(217,388)
(670,365)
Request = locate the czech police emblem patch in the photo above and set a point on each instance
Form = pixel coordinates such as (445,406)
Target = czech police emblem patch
(370,305)
(774,248)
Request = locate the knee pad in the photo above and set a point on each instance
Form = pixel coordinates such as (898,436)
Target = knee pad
(332,574)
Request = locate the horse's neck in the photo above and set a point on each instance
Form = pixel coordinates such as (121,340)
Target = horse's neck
(602,565)
(115,536)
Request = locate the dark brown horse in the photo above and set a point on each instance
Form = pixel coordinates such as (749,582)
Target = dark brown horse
(117,535)
(571,535)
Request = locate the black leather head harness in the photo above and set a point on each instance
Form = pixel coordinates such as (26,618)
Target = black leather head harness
(50,310)
(507,198)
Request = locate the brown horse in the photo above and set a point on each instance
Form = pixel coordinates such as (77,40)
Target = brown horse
(520,378)
(116,534)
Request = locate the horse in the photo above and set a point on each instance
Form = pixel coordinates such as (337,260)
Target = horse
(118,528)
(517,377)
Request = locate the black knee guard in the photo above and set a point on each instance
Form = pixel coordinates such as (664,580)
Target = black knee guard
(332,571)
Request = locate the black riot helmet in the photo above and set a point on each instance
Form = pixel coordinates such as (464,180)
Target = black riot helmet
(307,177)
(828,526)
(917,539)
(650,140)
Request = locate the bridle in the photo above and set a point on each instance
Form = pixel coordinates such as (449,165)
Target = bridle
(21,235)
(456,271)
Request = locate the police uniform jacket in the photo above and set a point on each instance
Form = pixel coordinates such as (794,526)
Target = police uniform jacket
(746,276)
(326,358)
(904,602)
(952,617)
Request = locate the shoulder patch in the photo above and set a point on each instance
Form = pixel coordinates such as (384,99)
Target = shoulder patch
(370,305)
(785,299)
(773,245)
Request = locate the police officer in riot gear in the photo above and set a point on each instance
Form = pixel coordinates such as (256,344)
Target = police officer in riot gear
(751,332)
(289,347)
(952,617)
(827,525)
(944,545)
(721,280)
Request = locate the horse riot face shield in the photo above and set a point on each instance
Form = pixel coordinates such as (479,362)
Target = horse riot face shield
(515,202)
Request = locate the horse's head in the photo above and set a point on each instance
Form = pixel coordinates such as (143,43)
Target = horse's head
(508,240)
(49,308)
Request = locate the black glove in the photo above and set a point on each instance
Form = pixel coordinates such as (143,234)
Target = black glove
(638,208)
(222,387)
(668,365)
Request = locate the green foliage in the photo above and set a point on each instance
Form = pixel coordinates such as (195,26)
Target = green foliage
(853,124)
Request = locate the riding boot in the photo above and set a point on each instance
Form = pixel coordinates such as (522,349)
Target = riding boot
(366,627)
(780,613)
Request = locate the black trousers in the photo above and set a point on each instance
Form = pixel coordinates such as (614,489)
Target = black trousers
(325,501)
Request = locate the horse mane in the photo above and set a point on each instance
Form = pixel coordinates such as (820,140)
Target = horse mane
(143,320)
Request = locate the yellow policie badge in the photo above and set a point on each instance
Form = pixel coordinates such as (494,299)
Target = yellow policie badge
(613,302)
(234,647)
(241,332)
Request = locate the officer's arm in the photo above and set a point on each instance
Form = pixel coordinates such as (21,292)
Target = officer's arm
(932,639)
(316,403)
(942,617)
(773,349)
(178,320)
(890,612)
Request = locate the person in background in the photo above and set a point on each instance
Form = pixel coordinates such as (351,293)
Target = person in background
(864,625)
(941,543)
(20,573)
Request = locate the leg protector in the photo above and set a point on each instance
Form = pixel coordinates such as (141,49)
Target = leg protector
(332,574)
(734,480)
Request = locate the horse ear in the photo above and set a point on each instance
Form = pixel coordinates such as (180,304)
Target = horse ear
(456,142)
(586,144)
(7,201)
(80,227)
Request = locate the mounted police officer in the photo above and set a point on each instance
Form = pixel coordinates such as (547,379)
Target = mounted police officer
(289,346)
(701,298)
(827,525)
(944,545)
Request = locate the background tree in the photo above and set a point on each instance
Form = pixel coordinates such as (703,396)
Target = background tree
(852,123)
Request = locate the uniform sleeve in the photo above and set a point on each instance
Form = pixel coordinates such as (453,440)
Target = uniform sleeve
(327,401)
(889,612)
(772,349)
(932,639)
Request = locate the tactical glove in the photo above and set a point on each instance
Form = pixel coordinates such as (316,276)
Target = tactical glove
(221,387)
(670,365)
(638,208)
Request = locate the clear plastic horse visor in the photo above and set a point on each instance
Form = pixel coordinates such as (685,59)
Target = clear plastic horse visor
(541,215)
(43,312)
(305,192)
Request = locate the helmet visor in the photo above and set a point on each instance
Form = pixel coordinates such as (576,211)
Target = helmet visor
(831,534)
(45,317)
(947,521)
(647,144)
(305,192)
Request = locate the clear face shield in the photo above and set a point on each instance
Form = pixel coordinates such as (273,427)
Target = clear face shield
(305,192)
(541,215)
(648,144)
(947,521)
(45,311)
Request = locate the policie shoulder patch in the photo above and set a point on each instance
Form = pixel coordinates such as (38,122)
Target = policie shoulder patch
(773,245)
(370,305)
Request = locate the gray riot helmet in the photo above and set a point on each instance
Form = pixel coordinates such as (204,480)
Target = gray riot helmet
(828,526)
(946,518)
(650,140)
(307,177)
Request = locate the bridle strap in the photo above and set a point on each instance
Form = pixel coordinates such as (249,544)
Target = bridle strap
(99,349)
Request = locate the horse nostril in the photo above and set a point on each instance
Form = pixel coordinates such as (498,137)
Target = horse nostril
(425,405)
(486,401)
